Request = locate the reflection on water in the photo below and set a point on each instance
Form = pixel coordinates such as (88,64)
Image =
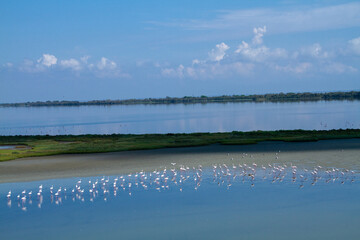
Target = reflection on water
(179,118)
(180,178)
(187,202)
(7,147)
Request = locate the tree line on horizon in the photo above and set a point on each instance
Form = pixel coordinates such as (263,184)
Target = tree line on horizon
(271,97)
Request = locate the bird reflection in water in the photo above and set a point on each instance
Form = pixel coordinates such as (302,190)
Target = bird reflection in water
(182,177)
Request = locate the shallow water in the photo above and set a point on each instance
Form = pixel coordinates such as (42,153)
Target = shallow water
(179,118)
(229,202)
(7,147)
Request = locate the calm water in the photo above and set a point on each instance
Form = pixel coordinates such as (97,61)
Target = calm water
(6,147)
(225,203)
(179,118)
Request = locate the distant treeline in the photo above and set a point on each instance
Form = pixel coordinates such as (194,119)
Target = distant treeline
(274,97)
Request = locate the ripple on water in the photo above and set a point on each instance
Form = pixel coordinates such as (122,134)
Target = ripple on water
(185,202)
(6,147)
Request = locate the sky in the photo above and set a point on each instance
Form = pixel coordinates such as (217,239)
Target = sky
(86,50)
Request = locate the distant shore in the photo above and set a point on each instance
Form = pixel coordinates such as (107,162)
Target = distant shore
(342,153)
(270,97)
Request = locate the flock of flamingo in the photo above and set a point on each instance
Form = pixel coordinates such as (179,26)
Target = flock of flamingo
(181,177)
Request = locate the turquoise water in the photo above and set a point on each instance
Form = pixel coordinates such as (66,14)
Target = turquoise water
(179,118)
(226,202)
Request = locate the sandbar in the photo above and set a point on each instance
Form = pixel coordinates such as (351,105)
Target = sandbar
(344,153)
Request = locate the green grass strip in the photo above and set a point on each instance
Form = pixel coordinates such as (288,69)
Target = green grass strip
(32,146)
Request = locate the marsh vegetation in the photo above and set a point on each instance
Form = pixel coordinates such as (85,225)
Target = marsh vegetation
(67,144)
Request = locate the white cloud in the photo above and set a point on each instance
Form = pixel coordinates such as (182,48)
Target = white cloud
(191,72)
(49,64)
(219,52)
(259,53)
(180,70)
(174,72)
(310,59)
(106,64)
(106,68)
(355,45)
(31,67)
(315,51)
(196,61)
(254,54)
(71,63)
(259,33)
(85,59)
(26,66)
(47,60)
(209,70)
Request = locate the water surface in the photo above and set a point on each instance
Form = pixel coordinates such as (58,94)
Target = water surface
(233,203)
(7,147)
(179,118)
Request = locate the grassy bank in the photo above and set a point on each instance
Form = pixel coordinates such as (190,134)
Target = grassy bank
(31,146)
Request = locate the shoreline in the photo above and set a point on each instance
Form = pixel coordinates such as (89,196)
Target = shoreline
(268,97)
(341,153)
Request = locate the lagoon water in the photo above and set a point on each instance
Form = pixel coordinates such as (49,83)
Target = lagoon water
(179,118)
(6,147)
(237,202)
(202,206)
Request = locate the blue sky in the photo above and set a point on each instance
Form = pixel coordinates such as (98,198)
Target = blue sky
(84,50)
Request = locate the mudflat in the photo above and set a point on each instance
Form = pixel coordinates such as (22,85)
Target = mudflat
(344,153)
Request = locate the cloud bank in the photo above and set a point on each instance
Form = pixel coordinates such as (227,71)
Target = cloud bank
(248,58)
(255,56)
(104,68)
(218,53)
